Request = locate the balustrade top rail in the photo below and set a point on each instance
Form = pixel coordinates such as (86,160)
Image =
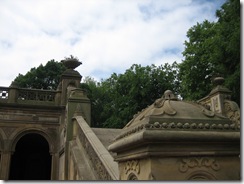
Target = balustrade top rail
(23,94)
(101,159)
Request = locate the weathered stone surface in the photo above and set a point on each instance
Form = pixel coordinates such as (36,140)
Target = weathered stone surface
(178,140)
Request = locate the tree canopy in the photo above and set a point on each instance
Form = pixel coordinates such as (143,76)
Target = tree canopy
(213,48)
(42,77)
(116,99)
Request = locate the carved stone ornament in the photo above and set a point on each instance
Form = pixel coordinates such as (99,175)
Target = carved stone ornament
(189,163)
(132,165)
(232,111)
(162,106)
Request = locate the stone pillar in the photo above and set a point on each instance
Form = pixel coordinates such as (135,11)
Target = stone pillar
(5,165)
(54,167)
(218,95)
(70,77)
(13,93)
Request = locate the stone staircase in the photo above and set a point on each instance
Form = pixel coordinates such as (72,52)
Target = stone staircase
(89,158)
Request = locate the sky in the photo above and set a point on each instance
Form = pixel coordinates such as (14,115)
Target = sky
(107,36)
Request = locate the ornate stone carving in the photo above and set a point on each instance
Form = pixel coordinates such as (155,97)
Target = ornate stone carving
(162,106)
(94,158)
(132,177)
(200,175)
(189,163)
(232,111)
(180,126)
(132,165)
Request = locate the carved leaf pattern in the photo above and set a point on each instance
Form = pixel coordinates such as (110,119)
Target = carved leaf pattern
(132,165)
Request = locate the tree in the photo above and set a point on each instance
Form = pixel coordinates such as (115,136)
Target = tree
(213,49)
(229,45)
(42,77)
(196,70)
(116,99)
(98,98)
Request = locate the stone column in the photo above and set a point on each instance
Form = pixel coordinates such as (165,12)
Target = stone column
(54,167)
(5,165)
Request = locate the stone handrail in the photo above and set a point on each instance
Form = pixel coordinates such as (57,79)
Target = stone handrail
(22,95)
(102,161)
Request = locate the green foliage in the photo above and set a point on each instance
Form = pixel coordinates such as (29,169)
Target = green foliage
(195,71)
(229,45)
(212,49)
(42,77)
(116,99)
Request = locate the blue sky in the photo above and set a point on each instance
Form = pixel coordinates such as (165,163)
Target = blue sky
(106,35)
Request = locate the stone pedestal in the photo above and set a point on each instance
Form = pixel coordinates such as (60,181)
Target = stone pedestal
(177,140)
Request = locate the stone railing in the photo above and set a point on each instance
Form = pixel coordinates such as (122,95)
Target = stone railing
(29,96)
(101,160)
(4,91)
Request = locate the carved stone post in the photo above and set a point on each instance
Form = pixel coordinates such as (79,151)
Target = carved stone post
(13,93)
(177,140)
(218,95)
(70,77)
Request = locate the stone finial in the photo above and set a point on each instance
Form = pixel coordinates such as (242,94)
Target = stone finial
(218,81)
(71,63)
(219,86)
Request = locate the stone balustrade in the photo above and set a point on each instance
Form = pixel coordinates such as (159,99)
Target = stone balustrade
(29,96)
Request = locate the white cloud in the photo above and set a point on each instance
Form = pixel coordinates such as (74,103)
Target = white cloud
(106,35)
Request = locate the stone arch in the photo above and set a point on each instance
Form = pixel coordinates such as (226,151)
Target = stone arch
(31,158)
(132,176)
(23,132)
(201,175)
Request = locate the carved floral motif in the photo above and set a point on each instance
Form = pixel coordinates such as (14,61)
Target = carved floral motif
(189,163)
(132,165)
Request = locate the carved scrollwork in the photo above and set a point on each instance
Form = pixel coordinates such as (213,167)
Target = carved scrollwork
(189,163)
(232,111)
(162,106)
